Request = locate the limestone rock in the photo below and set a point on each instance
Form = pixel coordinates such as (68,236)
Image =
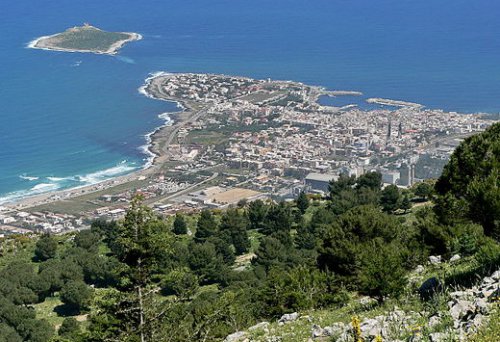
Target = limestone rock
(435,259)
(286,318)
(260,326)
(481,306)
(238,336)
(419,269)
(461,309)
(434,321)
(437,337)
(496,275)
(317,331)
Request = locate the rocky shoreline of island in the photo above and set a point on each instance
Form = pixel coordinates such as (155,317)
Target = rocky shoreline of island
(53,42)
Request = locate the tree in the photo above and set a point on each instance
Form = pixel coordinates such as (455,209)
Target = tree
(205,263)
(182,283)
(278,223)
(235,224)
(77,295)
(469,185)
(302,202)
(343,183)
(348,192)
(406,203)
(256,214)
(180,226)
(342,241)
(88,240)
(205,227)
(270,253)
(108,230)
(70,328)
(18,283)
(223,249)
(381,273)
(143,241)
(46,248)
(390,198)
(23,320)
(370,180)
(423,190)
(305,237)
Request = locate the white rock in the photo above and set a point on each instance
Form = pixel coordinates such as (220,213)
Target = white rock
(317,331)
(488,280)
(236,337)
(460,309)
(286,318)
(434,321)
(460,294)
(260,326)
(496,275)
(419,269)
(478,321)
(335,330)
(481,306)
(367,301)
(371,327)
(435,259)
(437,337)
(455,258)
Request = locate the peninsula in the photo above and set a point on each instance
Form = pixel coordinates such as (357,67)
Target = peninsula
(86,38)
(244,136)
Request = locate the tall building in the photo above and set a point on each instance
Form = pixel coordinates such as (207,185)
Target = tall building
(405,178)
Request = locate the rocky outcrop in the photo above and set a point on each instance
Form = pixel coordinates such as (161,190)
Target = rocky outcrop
(468,309)
(396,323)
(287,318)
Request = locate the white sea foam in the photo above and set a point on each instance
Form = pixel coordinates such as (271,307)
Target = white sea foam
(71,182)
(146,149)
(100,176)
(147,81)
(28,178)
(60,179)
(36,190)
(43,187)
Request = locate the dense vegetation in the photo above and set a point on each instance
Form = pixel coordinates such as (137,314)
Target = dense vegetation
(87,38)
(203,276)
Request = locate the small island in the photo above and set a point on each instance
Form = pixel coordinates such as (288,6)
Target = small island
(86,38)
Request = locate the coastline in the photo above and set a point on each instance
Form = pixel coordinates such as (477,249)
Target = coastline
(153,149)
(159,139)
(113,49)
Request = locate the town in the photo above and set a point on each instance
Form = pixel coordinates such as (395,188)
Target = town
(240,139)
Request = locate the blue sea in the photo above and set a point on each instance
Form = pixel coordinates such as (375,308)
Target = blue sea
(71,119)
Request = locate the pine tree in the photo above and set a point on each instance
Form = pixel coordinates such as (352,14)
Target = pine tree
(406,203)
(206,227)
(235,224)
(302,202)
(46,248)
(131,314)
(180,226)
(256,214)
(390,198)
